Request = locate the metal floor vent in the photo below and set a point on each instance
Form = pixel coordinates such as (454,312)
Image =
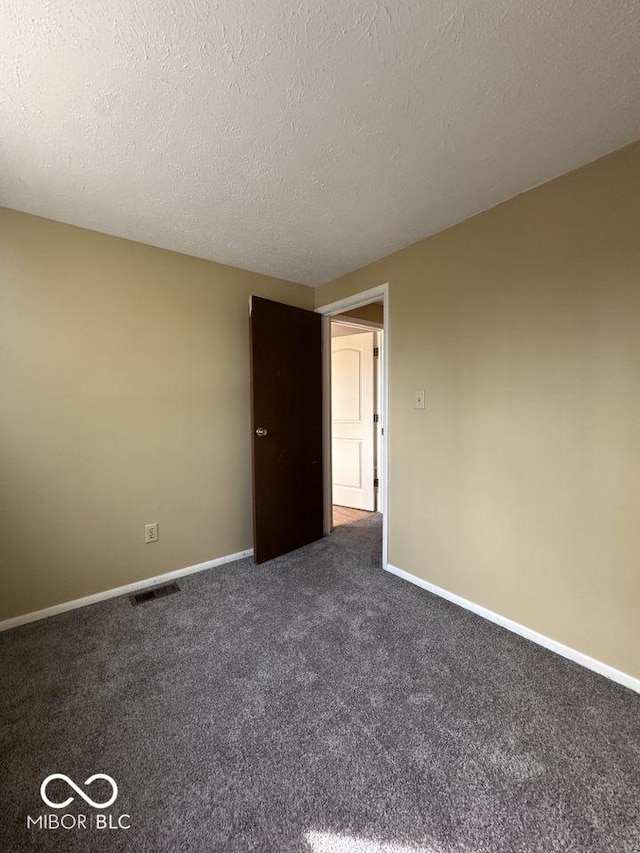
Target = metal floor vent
(154,592)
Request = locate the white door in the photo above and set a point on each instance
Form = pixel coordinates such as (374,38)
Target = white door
(353,430)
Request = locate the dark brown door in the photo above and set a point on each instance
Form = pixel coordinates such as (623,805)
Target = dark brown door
(286,425)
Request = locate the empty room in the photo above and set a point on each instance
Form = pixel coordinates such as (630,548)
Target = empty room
(319,426)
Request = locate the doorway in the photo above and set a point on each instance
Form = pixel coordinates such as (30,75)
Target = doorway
(355,413)
(355,416)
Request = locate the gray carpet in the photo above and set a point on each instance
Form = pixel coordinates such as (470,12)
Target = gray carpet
(314,703)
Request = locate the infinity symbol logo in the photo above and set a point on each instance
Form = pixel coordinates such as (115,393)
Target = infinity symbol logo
(72,784)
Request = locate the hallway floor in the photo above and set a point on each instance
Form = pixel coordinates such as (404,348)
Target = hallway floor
(346,514)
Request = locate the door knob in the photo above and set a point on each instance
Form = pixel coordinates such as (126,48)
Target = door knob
(261,432)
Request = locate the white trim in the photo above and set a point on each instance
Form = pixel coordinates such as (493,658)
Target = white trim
(345,320)
(379,439)
(357,300)
(120,590)
(553,645)
(341,305)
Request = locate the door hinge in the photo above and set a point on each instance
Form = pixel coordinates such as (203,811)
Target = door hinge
(376,352)
(376,419)
(376,482)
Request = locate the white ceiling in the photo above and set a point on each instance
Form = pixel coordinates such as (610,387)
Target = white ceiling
(303,138)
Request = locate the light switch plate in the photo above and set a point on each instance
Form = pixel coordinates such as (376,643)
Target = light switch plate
(151,532)
(418,399)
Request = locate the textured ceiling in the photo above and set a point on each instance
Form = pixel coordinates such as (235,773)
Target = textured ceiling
(303,138)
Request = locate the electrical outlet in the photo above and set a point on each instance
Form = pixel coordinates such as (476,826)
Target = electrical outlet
(151,532)
(418,399)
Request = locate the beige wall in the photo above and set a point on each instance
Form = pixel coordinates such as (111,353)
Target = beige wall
(124,399)
(519,485)
(340,330)
(373,312)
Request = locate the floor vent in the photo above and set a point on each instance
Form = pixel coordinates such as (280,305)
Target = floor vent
(154,592)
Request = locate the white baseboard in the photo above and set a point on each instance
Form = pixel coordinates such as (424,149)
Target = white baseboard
(121,590)
(554,646)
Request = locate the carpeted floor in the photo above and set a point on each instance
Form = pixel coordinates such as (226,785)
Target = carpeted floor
(314,703)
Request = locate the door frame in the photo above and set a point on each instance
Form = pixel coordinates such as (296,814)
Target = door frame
(328,312)
(378,328)
(377,333)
